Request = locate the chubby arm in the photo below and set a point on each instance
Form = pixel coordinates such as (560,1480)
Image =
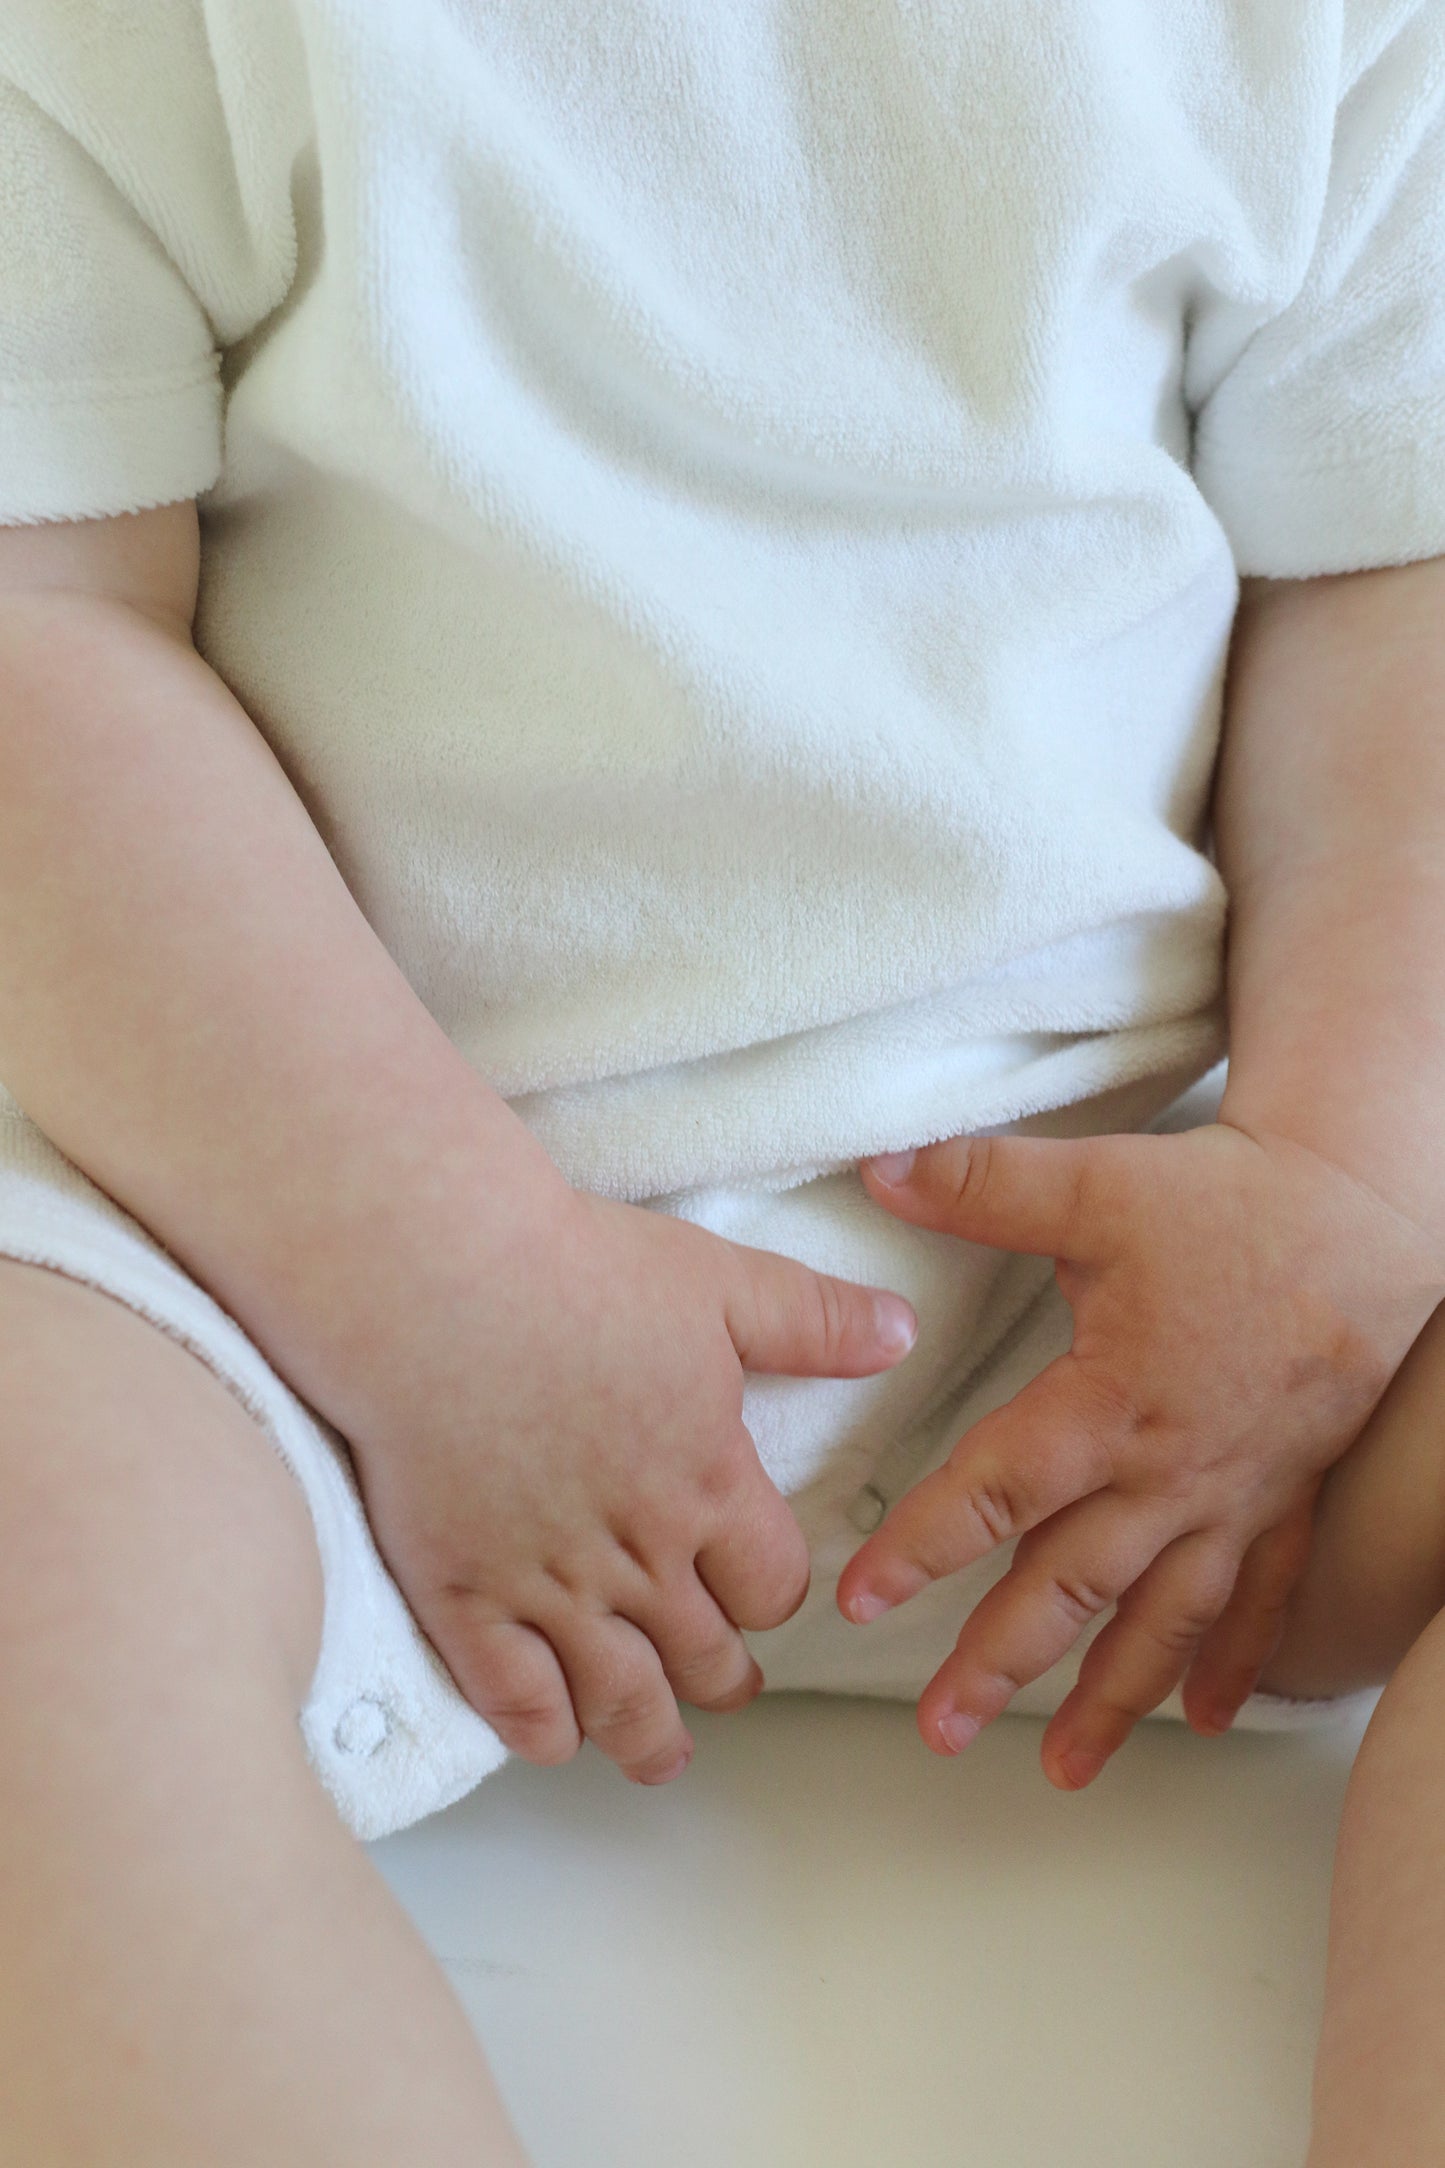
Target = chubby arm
(1330,830)
(192,1005)
(1242,1293)
(542,1391)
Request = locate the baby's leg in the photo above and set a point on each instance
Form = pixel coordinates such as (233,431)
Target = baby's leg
(1370,1610)
(1376,1576)
(197,1961)
(1380,2072)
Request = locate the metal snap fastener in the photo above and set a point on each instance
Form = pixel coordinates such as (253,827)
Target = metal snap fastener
(362,1728)
(867,1510)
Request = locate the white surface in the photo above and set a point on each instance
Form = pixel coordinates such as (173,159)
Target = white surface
(825,1946)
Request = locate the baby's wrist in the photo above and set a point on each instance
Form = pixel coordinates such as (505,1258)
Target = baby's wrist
(437,1244)
(1398,1165)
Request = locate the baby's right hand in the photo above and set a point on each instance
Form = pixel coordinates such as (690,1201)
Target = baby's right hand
(565,1490)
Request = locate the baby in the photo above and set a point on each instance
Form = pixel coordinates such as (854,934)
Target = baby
(618,794)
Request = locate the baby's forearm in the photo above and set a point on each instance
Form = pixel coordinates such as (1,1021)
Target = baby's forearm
(194,1008)
(1330,832)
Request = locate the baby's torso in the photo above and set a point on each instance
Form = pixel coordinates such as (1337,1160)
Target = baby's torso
(710,533)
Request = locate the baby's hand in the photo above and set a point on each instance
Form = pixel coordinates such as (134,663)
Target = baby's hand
(565,1491)
(1239,1307)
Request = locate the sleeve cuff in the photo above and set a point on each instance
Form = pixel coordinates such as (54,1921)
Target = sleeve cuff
(1297,522)
(107,449)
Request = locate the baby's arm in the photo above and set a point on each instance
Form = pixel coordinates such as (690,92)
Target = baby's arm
(192,1005)
(1330,824)
(542,1390)
(1242,1294)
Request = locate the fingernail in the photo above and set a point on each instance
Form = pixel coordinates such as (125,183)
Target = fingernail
(667,1775)
(893,1167)
(864,1608)
(1080,1767)
(957,1731)
(894,1323)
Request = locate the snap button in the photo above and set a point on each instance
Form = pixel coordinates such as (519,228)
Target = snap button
(867,1510)
(362,1728)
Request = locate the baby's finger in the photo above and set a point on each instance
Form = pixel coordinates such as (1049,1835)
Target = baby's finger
(1236,1649)
(624,1704)
(1140,1656)
(1062,1578)
(510,1674)
(706,1661)
(784,1318)
(1016,1467)
(756,1565)
(1033,1194)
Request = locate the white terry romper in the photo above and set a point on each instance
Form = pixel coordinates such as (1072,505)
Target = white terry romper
(731,517)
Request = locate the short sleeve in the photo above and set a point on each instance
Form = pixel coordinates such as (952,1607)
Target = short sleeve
(133,248)
(1321,446)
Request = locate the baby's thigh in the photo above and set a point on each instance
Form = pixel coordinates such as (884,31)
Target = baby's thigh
(147,1521)
(183,1878)
(1376,1575)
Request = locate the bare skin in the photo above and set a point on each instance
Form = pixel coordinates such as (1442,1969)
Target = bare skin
(207,1024)
(1243,1448)
(1378,2101)
(1372,1595)
(1333,766)
(286,2009)
(200,1963)
(1240,1305)
(1242,1293)
(210,1028)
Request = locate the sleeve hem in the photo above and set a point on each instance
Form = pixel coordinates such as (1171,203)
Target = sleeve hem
(91,455)
(1288,520)
(105,391)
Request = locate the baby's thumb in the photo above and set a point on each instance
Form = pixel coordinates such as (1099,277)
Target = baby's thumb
(786,1318)
(1010,1193)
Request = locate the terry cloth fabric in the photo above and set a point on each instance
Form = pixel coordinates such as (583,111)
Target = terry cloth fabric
(730,515)
(384,1726)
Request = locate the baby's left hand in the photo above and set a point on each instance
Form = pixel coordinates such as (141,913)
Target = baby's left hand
(1240,1305)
